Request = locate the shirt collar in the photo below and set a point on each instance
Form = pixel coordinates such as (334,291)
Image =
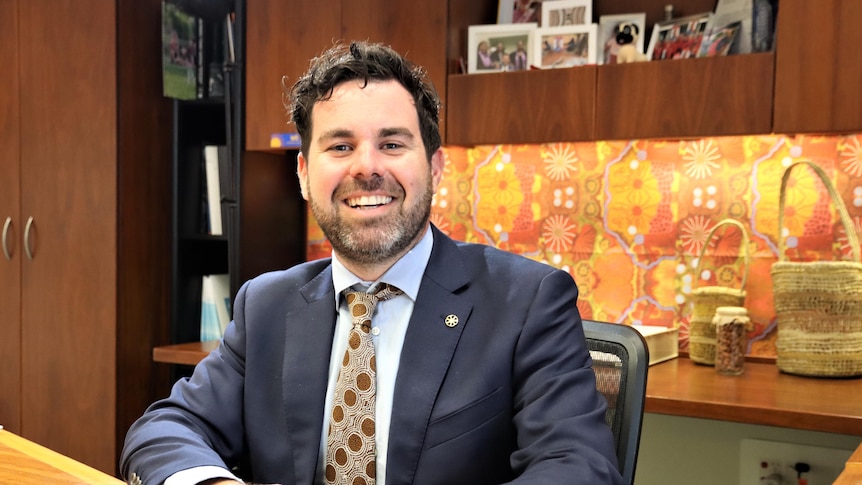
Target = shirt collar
(406,273)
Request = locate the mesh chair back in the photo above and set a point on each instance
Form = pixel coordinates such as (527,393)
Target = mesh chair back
(621,362)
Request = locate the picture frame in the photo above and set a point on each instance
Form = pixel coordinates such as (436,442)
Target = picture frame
(519,11)
(557,13)
(608,25)
(719,40)
(678,38)
(485,41)
(565,46)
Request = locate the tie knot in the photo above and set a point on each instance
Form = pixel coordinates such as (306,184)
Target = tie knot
(361,304)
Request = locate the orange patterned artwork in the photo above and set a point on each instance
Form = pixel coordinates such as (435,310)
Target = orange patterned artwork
(628,219)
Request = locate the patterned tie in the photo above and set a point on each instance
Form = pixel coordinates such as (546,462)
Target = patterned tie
(350,449)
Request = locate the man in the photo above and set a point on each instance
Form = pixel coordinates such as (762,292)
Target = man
(482,373)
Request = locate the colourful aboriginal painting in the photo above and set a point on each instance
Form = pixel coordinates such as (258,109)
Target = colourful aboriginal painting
(627,219)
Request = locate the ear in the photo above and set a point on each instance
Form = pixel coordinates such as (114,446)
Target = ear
(302,174)
(438,161)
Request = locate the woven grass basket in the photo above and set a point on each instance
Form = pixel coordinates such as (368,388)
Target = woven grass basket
(818,305)
(704,301)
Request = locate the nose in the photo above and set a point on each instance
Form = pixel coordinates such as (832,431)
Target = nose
(367,162)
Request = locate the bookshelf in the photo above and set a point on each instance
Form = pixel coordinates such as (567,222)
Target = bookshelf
(260,206)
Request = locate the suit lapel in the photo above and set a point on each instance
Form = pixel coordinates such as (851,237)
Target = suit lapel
(428,349)
(306,374)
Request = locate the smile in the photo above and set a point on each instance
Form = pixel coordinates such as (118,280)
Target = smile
(369,201)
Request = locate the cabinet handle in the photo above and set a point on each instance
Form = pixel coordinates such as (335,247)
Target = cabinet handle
(6,226)
(27,228)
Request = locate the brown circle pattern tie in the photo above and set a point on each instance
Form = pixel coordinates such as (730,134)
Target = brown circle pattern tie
(350,451)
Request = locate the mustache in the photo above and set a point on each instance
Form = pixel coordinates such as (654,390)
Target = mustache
(371,184)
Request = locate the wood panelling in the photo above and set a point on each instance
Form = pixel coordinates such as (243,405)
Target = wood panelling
(282,36)
(272,222)
(144,204)
(522,107)
(10,218)
(680,98)
(818,71)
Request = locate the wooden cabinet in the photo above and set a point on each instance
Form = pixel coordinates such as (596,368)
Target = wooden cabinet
(818,69)
(808,84)
(693,97)
(83,182)
(284,35)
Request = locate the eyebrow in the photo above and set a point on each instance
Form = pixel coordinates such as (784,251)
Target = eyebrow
(383,133)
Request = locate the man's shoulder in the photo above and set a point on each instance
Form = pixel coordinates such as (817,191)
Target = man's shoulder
(293,277)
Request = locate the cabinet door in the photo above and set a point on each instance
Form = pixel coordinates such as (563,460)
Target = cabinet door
(281,37)
(10,224)
(818,70)
(68,186)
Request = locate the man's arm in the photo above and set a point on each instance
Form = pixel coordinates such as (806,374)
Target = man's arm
(559,414)
(200,423)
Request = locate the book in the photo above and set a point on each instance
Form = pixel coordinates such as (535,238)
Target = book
(180,52)
(215,306)
(193,52)
(662,342)
(217,184)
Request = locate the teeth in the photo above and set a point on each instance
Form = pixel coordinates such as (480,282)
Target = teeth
(368,200)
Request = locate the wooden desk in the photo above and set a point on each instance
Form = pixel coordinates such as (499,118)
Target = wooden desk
(679,387)
(852,474)
(761,395)
(25,462)
(186,354)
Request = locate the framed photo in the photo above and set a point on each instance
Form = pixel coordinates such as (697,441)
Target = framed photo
(719,40)
(608,25)
(566,46)
(557,13)
(519,12)
(678,38)
(495,48)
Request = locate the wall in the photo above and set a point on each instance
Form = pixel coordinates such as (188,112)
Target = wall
(628,218)
(706,452)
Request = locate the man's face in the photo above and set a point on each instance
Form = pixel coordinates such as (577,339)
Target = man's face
(366,176)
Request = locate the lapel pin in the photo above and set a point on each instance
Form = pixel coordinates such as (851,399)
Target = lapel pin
(451,320)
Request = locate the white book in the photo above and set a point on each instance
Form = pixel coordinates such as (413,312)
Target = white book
(220,284)
(210,328)
(211,160)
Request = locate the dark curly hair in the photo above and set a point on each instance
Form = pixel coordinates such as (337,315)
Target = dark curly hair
(368,62)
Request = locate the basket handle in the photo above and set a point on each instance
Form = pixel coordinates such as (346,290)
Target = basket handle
(743,247)
(852,238)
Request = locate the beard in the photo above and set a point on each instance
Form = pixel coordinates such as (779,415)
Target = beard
(375,240)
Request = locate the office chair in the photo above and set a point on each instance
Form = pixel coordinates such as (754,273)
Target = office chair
(621,361)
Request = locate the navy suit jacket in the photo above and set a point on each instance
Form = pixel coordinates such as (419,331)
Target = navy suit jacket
(507,395)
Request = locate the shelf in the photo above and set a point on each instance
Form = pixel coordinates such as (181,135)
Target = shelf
(522,107)
(185,354)
(761,395)
(715,96)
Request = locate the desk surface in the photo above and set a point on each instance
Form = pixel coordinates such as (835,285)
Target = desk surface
(679,387)
(25,462)
(852,474)
(761,395)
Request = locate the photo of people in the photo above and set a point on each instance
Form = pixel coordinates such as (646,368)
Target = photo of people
(496,48)
(679,39)
(567,46)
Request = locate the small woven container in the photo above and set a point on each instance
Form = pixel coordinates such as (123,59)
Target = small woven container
(818,305)
(705,300)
